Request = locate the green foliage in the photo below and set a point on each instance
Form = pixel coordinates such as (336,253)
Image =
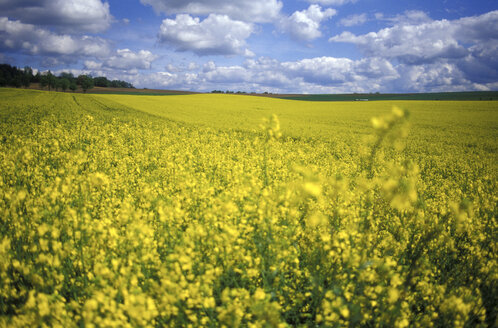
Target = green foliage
(86,82)
(73,86)
(15,77)
(101,81)
(65,84)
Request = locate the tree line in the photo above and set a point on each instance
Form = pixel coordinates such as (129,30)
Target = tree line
(16,77)
(240,92)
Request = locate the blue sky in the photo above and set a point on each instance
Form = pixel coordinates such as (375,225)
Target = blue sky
(298,46)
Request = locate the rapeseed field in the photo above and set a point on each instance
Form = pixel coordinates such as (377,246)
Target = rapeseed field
(237,211)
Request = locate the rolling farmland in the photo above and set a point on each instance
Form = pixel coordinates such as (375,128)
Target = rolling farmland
(238,211)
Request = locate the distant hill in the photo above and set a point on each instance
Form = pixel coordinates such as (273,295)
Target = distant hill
(145,92)
(469,95)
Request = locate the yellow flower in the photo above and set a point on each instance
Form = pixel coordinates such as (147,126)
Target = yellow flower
(259,294)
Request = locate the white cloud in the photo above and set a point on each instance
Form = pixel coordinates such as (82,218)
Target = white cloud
(262,74)
(332,2)
(409,43)
(228,74)
(455,54)
(126,59)
(409,17)
(416,39)
(172,68)
(313,75)
(331,71)
(215,35)
(435,55)
(73,71)
(164,80)
(123,61)
(376,68)
(209,66)
(30,39)
(379,16)
(192,66)
(477,28)
(92,65)
(318,74)
(245,10)
(309,75)
(304,25)
(433,77)
(353,20)
(481,65)
(69,16)
(322,70)
(263,63)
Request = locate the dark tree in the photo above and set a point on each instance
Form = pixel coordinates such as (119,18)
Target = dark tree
(26,80)
(17,81)
(43,81)
(27,76)
(68,76)
(64,84)
(57,84)
(28,71)
(86,82)
(73,86)
(7,74)
(16,77)
(121,84)
(48,79)
(101,81)
(80,78)
(36,78)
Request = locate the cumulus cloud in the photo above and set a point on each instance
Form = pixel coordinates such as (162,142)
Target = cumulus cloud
(313,75)
(428,41)
(27,38)
(481,64)
(164,80)
(436,54)
(262,74)
(320,74)
(227,74)
(477,28)
(353,20)
(92,65)
(122,61)
(69,16)
(246,10)
(332,71)
(126,59)
(192,66)
(409,17)
(322,70)
(413,44)
(215,35)
(433,77)
(332,2)
(376,68)
(304,25)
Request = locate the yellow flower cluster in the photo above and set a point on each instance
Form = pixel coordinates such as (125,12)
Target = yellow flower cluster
(114,217)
